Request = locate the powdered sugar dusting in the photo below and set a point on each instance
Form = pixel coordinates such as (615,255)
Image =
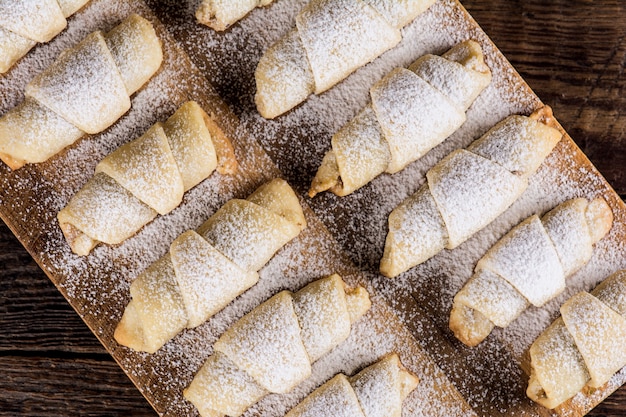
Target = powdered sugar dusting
(298,140)
(410,313)
(94,98)
(333,54)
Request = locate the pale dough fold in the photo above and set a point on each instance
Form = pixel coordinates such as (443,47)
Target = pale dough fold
(133,165)
(528,266)
(336,396)
(24,23)
(411,111)
(69,7)
(461,184)
(376,391)
(85,90)
(263,238)
(467,190)
(89,103)
(194,259)
(332,39)
(267,345)
(583,347)
(135,50)
(39,20)
(316,306)
(205,269)
(12,48)
(143,178)
(267,351)
(221,14)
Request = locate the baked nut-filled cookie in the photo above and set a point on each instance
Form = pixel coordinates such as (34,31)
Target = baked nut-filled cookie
(411,111)
(467,190)
(145,177)
(528,266)
(271,349)
(84,91)
(207,269)
(583,347)
(332,39)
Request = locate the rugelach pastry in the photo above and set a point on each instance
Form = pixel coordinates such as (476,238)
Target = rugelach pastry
(376,391)
(411,111)
(145,177)
(271,349)
(332,39)
(85,90)
(582,349)
(528,266)
(25,23)
(207,269)
(220,14)
(467,190)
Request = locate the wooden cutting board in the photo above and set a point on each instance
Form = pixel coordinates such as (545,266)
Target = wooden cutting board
(344,235)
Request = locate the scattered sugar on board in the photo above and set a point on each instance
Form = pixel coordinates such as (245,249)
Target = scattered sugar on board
(149,105)
(103,291)
(358,226)
(321,116)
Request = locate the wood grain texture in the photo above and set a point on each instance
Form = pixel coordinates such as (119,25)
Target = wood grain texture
(572,53)
(51,362)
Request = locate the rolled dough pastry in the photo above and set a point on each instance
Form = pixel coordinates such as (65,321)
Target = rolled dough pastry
(528,266)
(145,177)
(206,269)
(467,190)
(332,38)
(85,90)
(376,391)
(220,14)
(24,23)
(583,347)
(412,111)
(271,349)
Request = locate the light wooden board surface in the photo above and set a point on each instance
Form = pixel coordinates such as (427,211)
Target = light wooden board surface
(346,233)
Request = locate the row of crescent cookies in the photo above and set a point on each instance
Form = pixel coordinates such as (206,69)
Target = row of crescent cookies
(412,110)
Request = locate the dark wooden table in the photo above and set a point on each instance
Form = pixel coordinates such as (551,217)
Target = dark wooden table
(571,52)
